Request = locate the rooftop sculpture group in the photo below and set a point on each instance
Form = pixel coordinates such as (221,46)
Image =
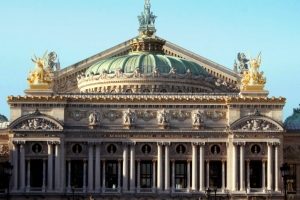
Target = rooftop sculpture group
(147,19)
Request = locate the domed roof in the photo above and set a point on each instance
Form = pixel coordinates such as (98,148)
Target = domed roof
(292,123)
(3,118)
(146,62)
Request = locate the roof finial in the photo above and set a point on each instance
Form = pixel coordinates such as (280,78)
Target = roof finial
(147,18)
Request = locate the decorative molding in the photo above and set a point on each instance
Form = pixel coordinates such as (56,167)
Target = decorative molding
(146,115)
(77,115)
(180,115)
(215,115)
(112,115)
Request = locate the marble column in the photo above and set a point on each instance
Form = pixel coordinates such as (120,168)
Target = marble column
(132,166)
(207,173)
(173,175)
(194,166)
(28,175)
(276,167)
(44,175)
(50,166)
(22,166)
(153,176)
(242,166)
(103,176)
(138,174)
(264,175)
(159,167)
(16,166)
(98,168)
(63,165)
(234,166)
(119,175)
(69,174)
(57,166)
(91,167)
(125,167)
(248,175)
(223,175)
(188,186)
(270,167)
(201,166)
(84,176)
(167,166)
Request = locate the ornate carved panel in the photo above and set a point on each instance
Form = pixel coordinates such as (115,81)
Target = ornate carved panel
(215,115)
(77,115)
(112,115)
(4,150)
(146,115)
(180,115)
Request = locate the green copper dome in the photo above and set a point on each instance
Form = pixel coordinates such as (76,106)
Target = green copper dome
(3,118)
(146,62)
(292,123)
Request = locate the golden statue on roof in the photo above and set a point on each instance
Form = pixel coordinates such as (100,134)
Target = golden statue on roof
(253,79)
(40,77)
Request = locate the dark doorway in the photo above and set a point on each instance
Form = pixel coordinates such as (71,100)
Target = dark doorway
(77,173)
(215,174)
(255,174)
(111,174)
(36,173)
(146,174)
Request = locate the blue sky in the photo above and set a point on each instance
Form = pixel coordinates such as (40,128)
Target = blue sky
(214,29)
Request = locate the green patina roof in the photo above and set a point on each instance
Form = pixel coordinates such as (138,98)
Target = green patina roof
(3,118)
(292,123)
(146,62)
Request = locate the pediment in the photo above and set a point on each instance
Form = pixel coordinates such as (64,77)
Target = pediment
(256,122)
(36,121)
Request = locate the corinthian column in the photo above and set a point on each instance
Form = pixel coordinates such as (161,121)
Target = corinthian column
(125,166)
(242,166)
(270,166)
(97,168)
(22,165)
(15,164)
(132,167)
(153,176)
(234,165)
(188,175)
(90,167)
(167,166)
(201,166)
(264,175)
(159,167)
(276,166)
(44,175)
(57,166)
(194,166)
(248,176)
(28,175)
(50,165)
(223,175)
(84,176)
(207,173)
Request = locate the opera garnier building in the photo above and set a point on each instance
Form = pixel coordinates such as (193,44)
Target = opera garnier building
(147,119)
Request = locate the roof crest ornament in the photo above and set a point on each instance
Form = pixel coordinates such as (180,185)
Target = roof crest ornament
(147,19)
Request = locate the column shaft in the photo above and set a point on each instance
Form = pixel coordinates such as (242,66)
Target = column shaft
(57,167)
(264,175)
(276,168)
(194,168)
(188,186)
(28,174)
(242,168)
(167,167)
(248,176)
(44,175)
(50,166)
(138,175)
(103,176)
(125,167)
(270,167)
(207,173)
(234,165)
(63,166)
(159,167)
(22,166)
(201,166)
(132,167)
(223,175)
(97,169)
(173,175)
(119,175)
(69,174)
(84,176)
(16,166)
(153,176)
(90,168)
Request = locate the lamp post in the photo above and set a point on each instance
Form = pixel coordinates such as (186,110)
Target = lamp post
(285,170)
(208,191)
(215,189)
(8,171)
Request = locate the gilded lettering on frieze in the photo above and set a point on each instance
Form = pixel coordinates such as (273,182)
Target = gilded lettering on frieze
(215,115)
(77,115)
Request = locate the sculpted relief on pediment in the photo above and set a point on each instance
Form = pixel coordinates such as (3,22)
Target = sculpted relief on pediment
(36,121)
(256,122)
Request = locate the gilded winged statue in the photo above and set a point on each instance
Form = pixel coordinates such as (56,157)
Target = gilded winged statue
(40,73)
(255,75)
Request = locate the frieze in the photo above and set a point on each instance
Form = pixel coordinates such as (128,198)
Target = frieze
(112,115)
(255,125)
(215,115)
(36,124)
(146,115)
(180,115)
(77,115)
(4,150)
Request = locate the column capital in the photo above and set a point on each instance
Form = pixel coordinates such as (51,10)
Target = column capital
(154,161)
(98,143)
(264,161)
(160,143)
(28,159)
(44,159)
(273,143)
(56,142)
(207,161)
(103,160)
(223,160)
(194,143)
(138,160)
(173,161)
(201,143)
(49,142)
(132,143)
(91,143)
(167,143)
(19,142)
(84,160)
(239,143)
(120,160)
(248,161)
(188,161)
(69,160)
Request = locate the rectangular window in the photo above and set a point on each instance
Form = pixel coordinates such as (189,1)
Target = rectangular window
(111,179)
(180,175)
(146,174)
(77,173)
